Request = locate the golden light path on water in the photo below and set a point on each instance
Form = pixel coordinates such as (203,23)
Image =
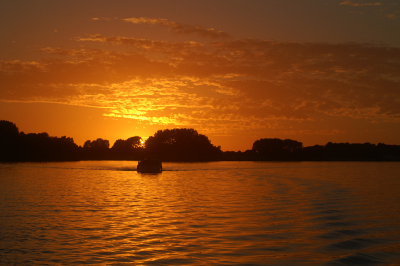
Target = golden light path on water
(223,213)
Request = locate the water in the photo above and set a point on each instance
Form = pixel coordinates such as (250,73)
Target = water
(222,213)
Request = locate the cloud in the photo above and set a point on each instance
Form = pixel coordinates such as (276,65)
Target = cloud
(144,44)
(180,28)
(106,19)
(219,86)
(351,3)
(391,16)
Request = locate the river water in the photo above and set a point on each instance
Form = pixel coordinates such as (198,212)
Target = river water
(219,213)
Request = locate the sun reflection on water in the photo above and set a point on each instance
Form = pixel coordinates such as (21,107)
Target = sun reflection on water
(197,214)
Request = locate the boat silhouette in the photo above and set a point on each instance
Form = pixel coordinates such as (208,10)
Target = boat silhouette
(149,165)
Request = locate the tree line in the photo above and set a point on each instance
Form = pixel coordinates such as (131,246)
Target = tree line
(184,145)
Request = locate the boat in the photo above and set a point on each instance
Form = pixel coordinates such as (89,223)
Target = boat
(149,165)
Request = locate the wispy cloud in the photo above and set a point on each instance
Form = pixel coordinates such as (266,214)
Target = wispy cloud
(391,16)
(351,3)
(144,44)
(180,28)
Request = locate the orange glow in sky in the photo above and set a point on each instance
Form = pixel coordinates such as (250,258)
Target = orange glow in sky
(236,71)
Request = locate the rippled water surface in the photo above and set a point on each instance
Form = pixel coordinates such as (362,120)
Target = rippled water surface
(222,213)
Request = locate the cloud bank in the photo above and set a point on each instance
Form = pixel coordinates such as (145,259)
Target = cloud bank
(219,86)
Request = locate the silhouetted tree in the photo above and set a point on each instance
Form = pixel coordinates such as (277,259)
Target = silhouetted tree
(119,145)
(97,149)
(135,142)
(42,147)
(8,141)
(181,145)
(8,130)
(388,152)
(178,145)
(65,148)
(277,149)
(98,144)
(130,149)
(314,153)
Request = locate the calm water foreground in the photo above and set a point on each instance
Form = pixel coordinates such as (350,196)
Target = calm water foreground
(222,213)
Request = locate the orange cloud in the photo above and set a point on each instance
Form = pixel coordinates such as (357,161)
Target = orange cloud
(217,87)
(391,16)
(179,28)
(143,44)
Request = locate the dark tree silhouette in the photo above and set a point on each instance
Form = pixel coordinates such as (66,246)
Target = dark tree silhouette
(135,142)
(98,144)
(248,155)
(178,145)
(313,153)
(18,146)
(97,149)
(8,130)
(181,145)
(130,149)
(8,141)
(119,145)
(42,147)
(277,149)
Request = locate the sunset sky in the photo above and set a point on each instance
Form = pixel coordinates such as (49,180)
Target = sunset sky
(234,70)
